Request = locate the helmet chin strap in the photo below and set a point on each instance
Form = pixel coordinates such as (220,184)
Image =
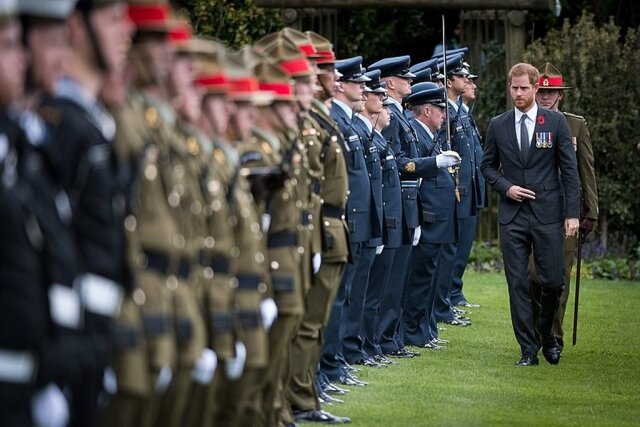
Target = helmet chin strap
(86,8)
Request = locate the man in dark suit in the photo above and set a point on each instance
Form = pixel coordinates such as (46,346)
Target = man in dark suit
(530,161)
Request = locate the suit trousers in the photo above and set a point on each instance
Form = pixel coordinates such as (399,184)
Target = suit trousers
(421,284)
(352,338)
(376,291)
(569,256)
(517,239)
(307,345)
(466,235)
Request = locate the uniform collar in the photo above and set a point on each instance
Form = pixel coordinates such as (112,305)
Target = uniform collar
(367,123)
(426,128)
(344,107)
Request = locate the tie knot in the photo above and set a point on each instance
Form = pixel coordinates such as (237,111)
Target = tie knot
(523,119)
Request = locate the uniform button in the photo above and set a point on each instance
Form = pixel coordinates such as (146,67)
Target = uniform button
(233,282)
(172,283)
(255,227)
(139,297)
(196,208)
(179,241)
(301,250)
(259,257)
(174,199)
(233,221)
(275,265)
(234,252)
(262,288)
(209,241)
(207,272)
(150,172)
(310,227)
(216,205)
(130,223)
(327,223)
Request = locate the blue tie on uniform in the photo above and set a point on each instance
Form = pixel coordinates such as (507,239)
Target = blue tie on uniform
(524,136)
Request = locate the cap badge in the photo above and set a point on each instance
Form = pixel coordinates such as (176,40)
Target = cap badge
(545,82)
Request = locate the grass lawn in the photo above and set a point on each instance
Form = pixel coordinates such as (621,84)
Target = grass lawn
(474,380)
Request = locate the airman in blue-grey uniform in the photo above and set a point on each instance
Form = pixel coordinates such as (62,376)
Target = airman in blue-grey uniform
(462,140)
(349,100)
(362,300)
(438,208)
(401,138)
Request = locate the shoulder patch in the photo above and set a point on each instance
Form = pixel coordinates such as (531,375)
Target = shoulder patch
(251,156)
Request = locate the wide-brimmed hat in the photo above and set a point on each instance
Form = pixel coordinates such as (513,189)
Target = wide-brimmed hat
(550,78)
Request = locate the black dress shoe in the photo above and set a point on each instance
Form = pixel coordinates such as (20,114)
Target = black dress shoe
(551,351)
(328,400)
(402,353)
(369,363)
(315,416)
(456,322)
(384,360)
(467,304)
(332,389)
(351,381)
(527,360)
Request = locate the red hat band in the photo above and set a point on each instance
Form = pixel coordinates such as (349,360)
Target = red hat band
(280,89)
(212,80)
(147,15)
(244,85)
(296,66)
(550,81)
(326,56)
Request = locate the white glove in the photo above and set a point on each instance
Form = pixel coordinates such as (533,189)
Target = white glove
(49,407)
(164,379)
(266,222)
(269,312)
(205,367)
(316,260)
(235,366)
(379,249)
(448,158)
(110,381)
(417,232)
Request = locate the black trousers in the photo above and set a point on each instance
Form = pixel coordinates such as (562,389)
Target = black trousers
(517,239)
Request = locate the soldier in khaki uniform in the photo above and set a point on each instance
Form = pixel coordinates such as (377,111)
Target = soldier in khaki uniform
(287,244)
(549,95)
(142,142)
(331,191)
(239,398)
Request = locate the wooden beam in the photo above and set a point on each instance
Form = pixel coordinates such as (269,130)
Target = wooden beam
(430,4)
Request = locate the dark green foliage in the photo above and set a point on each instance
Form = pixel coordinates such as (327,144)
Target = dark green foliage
(236,22)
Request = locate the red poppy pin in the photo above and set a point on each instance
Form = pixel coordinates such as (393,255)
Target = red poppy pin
(540,120)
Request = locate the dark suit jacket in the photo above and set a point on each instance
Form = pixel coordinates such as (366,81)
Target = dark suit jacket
(550,172)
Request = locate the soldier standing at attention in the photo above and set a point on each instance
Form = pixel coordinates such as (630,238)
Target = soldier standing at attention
(550,93)
(86,166)
(466,237)
(401,137)
(143,143)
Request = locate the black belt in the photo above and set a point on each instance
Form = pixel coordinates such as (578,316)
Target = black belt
(155,324)
(249,319)
(248,282)
(219,264)
(305,218)
(183,329)
(124,337)
(332,211)
(221,322)
(161,263)
(281,240)
(315,186)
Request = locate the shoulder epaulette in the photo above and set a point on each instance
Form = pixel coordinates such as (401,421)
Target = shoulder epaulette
(575,116)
